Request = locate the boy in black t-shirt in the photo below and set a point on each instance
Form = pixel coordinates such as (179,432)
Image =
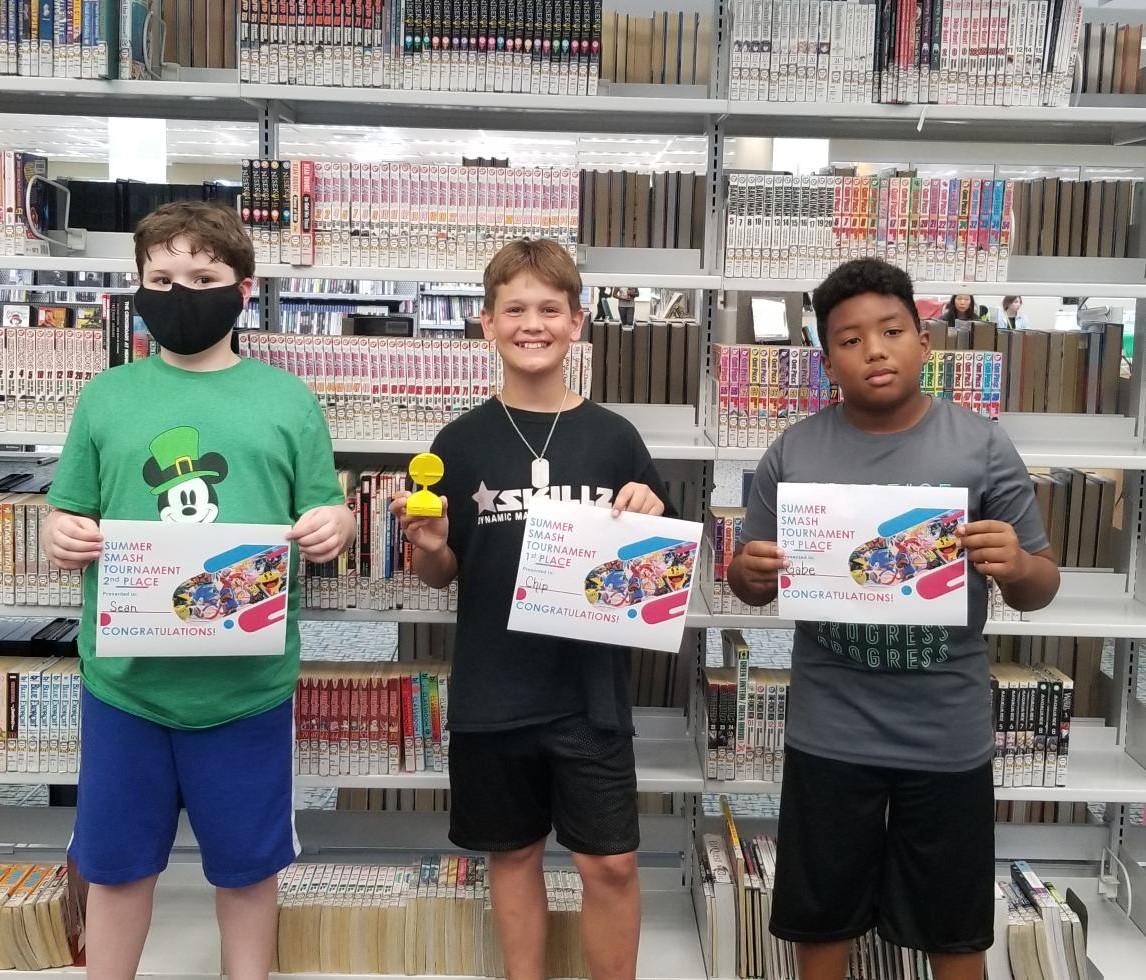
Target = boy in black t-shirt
(541,727)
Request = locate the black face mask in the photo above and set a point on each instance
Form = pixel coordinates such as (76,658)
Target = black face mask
(189,321)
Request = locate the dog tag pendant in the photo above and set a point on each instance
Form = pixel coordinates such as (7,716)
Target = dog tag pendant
(540,471)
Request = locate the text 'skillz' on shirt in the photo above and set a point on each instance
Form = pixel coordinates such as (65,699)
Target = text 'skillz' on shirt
(512,505)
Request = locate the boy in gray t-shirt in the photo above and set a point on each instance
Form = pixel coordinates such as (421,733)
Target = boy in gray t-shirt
(887,814)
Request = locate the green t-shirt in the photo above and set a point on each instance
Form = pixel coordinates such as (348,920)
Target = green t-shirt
(244,445)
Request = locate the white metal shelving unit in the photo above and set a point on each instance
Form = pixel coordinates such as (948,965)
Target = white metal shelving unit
(1107,762)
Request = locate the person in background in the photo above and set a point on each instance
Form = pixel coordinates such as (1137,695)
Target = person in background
(961,306)
(1010,315)
(626,298)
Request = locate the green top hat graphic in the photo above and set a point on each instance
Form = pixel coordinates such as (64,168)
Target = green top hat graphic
(177,450)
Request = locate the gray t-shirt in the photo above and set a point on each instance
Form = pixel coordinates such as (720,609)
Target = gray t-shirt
(909,697)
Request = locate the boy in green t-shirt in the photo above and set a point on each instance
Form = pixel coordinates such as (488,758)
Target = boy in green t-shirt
(192,436)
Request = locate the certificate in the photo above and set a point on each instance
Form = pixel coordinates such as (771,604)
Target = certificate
(872,554)
(192,590)
(586,575)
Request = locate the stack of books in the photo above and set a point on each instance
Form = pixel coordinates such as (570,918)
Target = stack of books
(1032,707)
(1091,218)
(41,925)
(671,47)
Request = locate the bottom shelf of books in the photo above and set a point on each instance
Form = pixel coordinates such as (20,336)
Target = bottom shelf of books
(183,943)
(432,920)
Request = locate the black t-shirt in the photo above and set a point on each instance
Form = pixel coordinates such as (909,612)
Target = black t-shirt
(501,679)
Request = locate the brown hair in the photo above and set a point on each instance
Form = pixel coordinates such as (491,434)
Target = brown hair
(209,228)
(541,257)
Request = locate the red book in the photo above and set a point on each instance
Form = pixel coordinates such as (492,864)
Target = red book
(407,725)
(393,726)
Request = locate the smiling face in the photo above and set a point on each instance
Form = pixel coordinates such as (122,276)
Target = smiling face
(532,325)
(874,351)
(191,502)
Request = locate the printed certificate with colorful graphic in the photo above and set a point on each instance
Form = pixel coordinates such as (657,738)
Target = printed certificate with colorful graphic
(586,575)
(872,554)
(192,590)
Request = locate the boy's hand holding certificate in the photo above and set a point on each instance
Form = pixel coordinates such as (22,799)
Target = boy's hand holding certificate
(192,590)
(587,575)
(872,554)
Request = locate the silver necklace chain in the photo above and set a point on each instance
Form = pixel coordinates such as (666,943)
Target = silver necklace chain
(553,427)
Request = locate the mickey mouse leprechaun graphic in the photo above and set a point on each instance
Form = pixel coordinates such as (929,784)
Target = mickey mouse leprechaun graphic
(183,480)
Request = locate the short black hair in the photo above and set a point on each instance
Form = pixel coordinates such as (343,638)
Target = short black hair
(855,278)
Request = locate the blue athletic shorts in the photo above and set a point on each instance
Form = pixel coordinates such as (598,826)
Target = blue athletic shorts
(234,780)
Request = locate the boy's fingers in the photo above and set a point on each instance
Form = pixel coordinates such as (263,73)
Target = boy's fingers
(87,546)
(986,540)
(991,555)
(73,556)
(763,549)
(621,501)
(82,530)
(77,552)
(319,537)
(309,522)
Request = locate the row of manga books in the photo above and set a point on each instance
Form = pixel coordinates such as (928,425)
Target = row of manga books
(75,38)
(40,714)
(402,215)
(744,716)
(371,719)
(540,47)
(723,531)
(946,52)
(430,918)
(26,578)
(949,229)
(758,391)
(377,571)
(396,388)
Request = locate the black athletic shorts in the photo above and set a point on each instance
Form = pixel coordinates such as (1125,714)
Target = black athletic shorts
(907,851)
(509,789)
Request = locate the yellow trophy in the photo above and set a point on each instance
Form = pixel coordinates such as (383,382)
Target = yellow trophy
(426,469)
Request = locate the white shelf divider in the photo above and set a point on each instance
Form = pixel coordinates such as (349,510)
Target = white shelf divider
(1042,439)
(1100,771)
